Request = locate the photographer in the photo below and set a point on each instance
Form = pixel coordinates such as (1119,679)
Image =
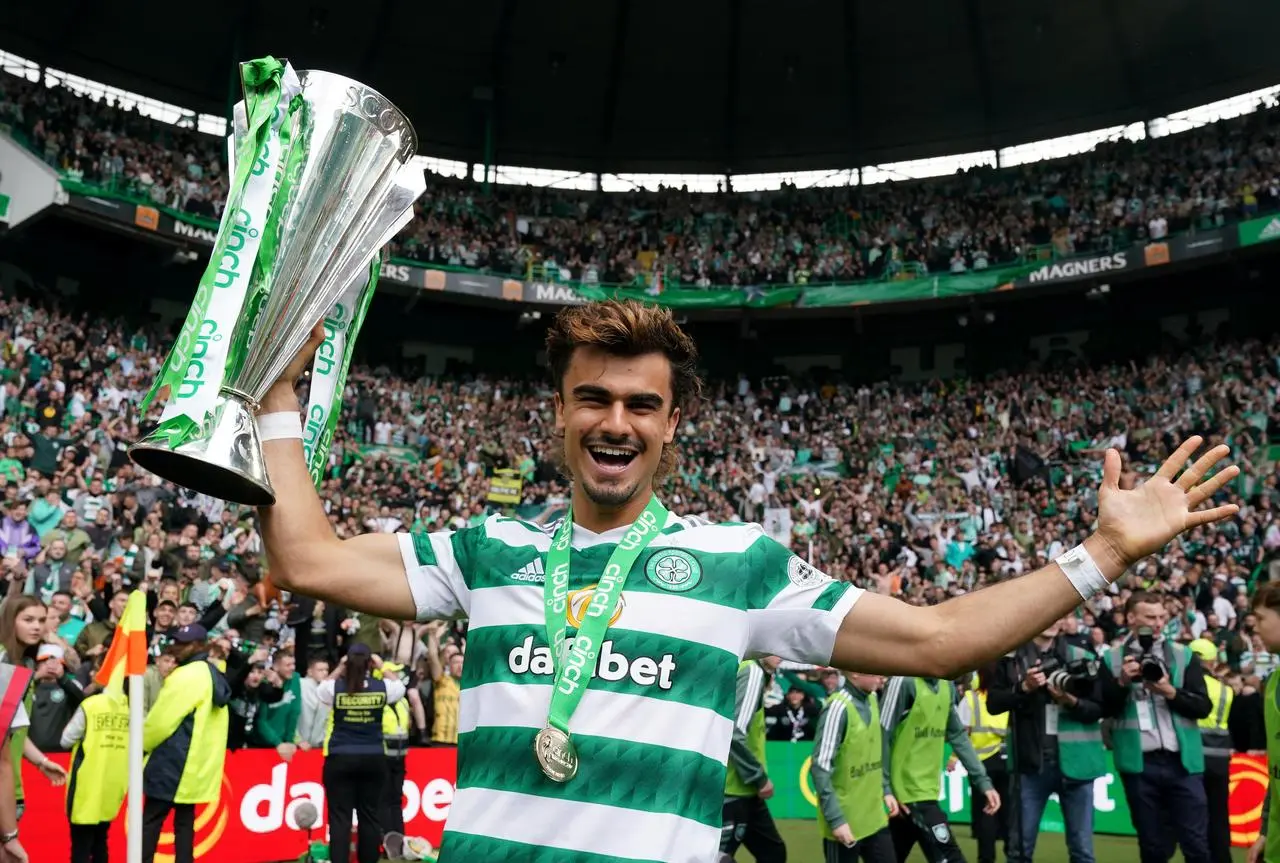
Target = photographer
(1051,690)
(1155,690)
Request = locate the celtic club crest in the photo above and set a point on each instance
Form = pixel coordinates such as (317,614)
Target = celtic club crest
(674,570)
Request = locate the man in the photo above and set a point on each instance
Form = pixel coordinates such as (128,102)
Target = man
(445,663)
(395,739)
(1215,738)
(698,598)
(314,715)
(276,724)
(855,800)
(794,718)
(1156,690)
(93,638)
(1057,738)
(185,736)
(988,732)
(919,713)
(746,819)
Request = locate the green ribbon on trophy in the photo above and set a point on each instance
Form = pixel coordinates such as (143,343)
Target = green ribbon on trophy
(552,746)
(329,369)
(196,365)
(321,181)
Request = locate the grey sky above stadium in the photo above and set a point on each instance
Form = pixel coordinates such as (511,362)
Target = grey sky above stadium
(708,86)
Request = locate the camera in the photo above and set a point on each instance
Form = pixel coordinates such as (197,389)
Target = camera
(1151,664)
(1075,676)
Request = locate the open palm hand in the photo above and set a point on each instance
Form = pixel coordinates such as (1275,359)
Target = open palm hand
(1141,521)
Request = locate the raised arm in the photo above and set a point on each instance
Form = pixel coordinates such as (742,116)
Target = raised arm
(881,635)
(365,573)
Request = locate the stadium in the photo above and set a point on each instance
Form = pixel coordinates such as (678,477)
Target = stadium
(936,259)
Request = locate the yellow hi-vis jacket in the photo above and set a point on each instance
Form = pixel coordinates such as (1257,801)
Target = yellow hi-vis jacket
(186,734)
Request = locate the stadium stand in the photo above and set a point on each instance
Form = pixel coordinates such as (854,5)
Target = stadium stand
(920,490)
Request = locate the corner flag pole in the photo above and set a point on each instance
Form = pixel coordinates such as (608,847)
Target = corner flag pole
(134,814)
(127,658)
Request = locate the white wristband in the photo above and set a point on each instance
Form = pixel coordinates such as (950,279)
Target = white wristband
(279,425)
(1083,572)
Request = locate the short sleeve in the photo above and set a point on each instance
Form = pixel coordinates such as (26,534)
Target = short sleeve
(434,564)
(793,609)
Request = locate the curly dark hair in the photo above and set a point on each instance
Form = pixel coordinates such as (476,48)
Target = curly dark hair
(628,328)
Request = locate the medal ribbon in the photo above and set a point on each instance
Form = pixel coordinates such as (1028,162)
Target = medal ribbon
(573,668)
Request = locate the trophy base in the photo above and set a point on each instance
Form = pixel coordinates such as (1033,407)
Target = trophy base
(225,462)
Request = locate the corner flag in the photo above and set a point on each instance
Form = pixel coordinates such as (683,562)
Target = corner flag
(128,658)
(128,653)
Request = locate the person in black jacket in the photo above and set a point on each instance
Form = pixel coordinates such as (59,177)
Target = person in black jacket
(1056,739)
(794,718)
(250,689)
(55,697)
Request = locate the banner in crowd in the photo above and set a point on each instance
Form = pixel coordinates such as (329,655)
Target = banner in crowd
(187,228)
(907,290)
(505,486)
(253,819)
(1257,231)
(794,796)
(777,524)
(391,452)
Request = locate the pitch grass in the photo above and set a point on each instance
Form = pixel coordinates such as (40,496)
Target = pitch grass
(805,846)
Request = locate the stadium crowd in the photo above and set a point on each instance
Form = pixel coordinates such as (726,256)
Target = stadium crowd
(1117,194)
(921,491)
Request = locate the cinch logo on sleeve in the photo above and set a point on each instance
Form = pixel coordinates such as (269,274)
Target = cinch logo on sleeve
(643,670)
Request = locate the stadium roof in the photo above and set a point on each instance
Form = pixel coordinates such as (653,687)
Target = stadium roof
(709,86)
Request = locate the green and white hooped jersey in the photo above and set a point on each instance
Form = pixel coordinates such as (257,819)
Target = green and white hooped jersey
(654,727)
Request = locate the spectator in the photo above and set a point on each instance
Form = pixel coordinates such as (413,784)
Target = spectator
(792,719)
(314,715)
(277,723)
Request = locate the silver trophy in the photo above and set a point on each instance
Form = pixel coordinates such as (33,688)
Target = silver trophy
(352,190)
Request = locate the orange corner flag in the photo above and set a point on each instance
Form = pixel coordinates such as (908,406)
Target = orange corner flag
(128,653)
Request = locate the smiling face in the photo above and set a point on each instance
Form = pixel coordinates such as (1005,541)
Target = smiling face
(615,413)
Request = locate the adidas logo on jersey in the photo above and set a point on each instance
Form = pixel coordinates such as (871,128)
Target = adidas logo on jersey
(531,571)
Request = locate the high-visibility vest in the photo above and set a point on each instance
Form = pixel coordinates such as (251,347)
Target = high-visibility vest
(987,731)
(857,774)
(733,784)
(1213,728)
(100,761)
(1126,734)
(1271,718)
(915,753)
(395,728)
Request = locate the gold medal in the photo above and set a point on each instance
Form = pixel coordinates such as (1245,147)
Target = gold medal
(556,754)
